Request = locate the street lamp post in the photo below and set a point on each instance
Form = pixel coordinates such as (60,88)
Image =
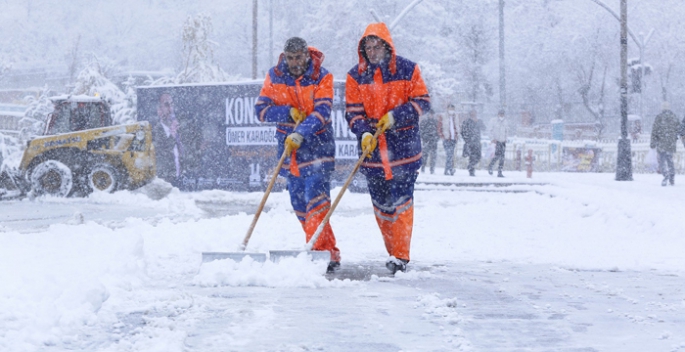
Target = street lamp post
(502,77)
(624,163)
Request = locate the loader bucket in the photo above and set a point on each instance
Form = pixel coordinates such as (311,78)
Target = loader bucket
(11,184)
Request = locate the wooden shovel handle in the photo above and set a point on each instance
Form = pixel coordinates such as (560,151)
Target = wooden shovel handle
(323,223)
(286,151)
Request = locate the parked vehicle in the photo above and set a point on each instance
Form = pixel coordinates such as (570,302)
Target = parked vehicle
(82,152)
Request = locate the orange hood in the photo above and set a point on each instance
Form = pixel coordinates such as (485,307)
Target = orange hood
(379,30)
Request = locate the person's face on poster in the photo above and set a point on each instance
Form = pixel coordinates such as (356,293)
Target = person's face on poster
(165,110)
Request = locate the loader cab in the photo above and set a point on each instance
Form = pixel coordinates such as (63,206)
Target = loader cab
(76,113)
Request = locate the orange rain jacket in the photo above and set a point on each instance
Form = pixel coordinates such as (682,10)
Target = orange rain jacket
(312,93)
(373,90)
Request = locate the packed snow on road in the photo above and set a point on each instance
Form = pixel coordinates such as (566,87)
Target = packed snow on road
(560,262)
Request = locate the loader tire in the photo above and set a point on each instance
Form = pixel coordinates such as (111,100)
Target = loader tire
(103,178)
(52,177)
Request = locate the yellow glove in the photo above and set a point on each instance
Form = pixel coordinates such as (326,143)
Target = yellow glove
(297,115)
(386,122)
(368,143)
(293,141)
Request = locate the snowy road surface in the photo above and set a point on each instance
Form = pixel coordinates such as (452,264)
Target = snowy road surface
(567,262)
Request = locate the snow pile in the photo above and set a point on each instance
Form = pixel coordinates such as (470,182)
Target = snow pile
(156,195)
(298,271)
(54,283)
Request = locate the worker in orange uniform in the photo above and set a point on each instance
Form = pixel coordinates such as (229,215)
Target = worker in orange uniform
(386,92)
(298,95)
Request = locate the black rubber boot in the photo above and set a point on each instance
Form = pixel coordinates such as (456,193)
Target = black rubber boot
(395,265)
(332,267)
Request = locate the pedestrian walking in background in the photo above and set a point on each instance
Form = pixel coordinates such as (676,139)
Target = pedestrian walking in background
(664,138)
(470,131)
(386,92)
(299,90)
(449,133)
(429,141)
(499,131)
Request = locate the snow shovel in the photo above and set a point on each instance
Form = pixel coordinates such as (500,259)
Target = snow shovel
(258,257)
(322,255)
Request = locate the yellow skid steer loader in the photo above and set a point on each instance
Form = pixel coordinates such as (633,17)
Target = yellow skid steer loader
(81,152)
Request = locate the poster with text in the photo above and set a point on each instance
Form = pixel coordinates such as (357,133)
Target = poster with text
(208,136)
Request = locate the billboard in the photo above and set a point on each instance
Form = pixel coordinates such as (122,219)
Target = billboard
(207,136)
(583,159)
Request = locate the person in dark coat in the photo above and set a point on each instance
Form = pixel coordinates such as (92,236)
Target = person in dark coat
(664,138)
(470,131)
(429,140)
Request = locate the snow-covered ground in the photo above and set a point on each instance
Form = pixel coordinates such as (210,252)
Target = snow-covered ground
(560,262)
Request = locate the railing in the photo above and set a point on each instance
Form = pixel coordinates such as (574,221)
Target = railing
(548,154)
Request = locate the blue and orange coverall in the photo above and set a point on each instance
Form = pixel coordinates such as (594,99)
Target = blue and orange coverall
(309,167)
(371,91)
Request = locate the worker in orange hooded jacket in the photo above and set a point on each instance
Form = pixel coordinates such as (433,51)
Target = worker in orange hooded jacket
(386,92)
(298,96)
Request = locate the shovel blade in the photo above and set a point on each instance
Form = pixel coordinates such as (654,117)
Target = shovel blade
(235,256)
(276,256)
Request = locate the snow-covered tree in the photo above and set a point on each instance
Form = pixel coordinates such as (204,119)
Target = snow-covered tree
(443,87)
(476,41)
(33,122)
(31,125)
(125,111)
(92,81)
(198,52)
(546,41)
